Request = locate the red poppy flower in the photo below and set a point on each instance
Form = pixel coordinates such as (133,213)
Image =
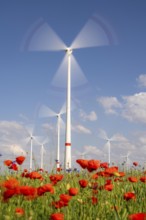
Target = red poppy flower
(93,165)
(94,176)
(11,183)
(133,179)
(121,174)
(35,175)
(13,166)
(28,191)
(45,188)
(65,197)
(7,162)
(129,195)
(59,204)
(143,179)
(19,211)
(83,163)
(103,173)
(137,216)
(59,169)
(83,183)
(57,216)
(20,159)
(111,170)
(135,164)
(94,200)
(108,187)
(56,178)
(73,191)
(8,194)
(104,165)
(109,181)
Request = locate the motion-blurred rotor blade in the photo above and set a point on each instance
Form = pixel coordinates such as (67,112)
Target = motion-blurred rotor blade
(41,37)
(96,32)
(77,76)
(29,129)
(103,135)
(62,124)
(63,109)
(113,138)
(60,78)
(46,112)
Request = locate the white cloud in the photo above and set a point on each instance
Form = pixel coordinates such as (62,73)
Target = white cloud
(88,117)
(81,129)
(142,80)
(110,104)
(134,107)
(93,150)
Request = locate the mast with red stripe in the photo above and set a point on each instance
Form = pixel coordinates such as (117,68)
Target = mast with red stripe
(68,114)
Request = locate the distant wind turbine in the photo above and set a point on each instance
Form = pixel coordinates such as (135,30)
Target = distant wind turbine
(42,143)
(82,154)
(47,112)
(30,139)
(126,159)
(103,135)
(42,38)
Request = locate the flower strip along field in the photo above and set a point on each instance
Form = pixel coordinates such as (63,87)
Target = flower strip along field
(97,192)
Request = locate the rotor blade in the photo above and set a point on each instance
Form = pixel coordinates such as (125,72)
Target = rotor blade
(103,135)
(62,124)
(41,37)
(63,109)
(46,112)
(77,76)
(29,128)
(96,32)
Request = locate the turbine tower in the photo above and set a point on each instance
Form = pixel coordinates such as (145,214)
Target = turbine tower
(96,32)
(103,135)
(47,112)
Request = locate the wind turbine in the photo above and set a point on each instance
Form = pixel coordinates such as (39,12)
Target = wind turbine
(82,154)
(30,139)
(103,135)
(96,32)
(42,143)
(47,112)
(126,159)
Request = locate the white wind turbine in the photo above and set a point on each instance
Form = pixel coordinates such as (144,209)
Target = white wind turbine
(47,112)
(126,160)
(103,135)
(30,139)
(82,155)
(42,38)
(42,143)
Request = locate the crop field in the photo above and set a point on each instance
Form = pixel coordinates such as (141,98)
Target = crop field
(96,192)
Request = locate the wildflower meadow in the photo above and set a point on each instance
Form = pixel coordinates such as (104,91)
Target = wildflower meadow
(96,192)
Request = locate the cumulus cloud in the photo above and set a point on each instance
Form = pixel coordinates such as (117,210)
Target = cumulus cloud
(88,117)
(93,150)
(12,139)
(134,107)
(142,80)
(110,104)
(81,129)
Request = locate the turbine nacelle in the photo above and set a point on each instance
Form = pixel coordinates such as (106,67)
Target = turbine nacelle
(68,51)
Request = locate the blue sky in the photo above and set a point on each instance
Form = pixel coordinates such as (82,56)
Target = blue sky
(114,97)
